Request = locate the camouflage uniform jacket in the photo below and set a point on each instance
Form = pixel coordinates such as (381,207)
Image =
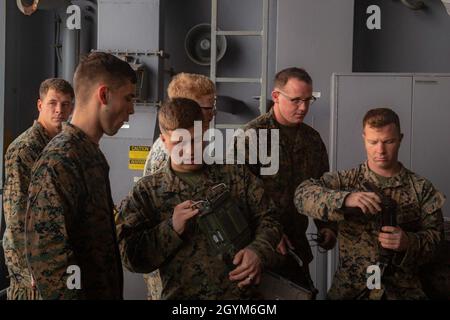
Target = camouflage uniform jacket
(435,276)
(70,220)
(157,158)
(301,157)
(20,157)
(188,269)
(418,214)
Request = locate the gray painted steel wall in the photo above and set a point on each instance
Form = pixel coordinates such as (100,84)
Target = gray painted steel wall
(134,27)
(409,41)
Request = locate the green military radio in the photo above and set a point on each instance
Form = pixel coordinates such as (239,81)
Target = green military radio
(223,223)
(227,231)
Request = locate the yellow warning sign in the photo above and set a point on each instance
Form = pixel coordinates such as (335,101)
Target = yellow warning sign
(138,152)
(137,156)
(136,164)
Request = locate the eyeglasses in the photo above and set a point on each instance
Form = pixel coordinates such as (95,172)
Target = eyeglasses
(298,101)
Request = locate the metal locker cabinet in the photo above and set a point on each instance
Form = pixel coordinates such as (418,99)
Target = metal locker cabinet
(430,147)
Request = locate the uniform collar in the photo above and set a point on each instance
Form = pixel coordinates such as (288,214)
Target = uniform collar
(86,142)
(273,124)
(173,182)
(77,132)
(285,142)
(392,182)
(176,185)
(40,128)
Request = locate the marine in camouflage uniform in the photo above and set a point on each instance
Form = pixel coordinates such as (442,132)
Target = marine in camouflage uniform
(20,157)
(183,85)
(302,155)
(188,270)
(70,220)
(418,214)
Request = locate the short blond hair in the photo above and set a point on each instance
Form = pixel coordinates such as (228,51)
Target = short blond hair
(191,86)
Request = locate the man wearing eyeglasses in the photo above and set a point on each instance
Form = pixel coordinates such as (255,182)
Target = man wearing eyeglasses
(302,156)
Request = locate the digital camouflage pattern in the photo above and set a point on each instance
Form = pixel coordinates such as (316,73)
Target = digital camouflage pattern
(418,214)
(70,220)
(435,276)
(20,157)
(156,159)
(301,156)
(154,285)
(188,270)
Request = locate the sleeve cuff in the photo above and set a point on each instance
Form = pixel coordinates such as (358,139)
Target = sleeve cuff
(405,259)
(336,204)
(172,241)
(263,253)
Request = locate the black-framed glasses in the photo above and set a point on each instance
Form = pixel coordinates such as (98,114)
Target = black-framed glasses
(298,100)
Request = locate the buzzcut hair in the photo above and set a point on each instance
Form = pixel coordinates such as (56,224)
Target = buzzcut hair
(101,67)
(179,113)
(380,117)
(283,76)
(190,85)
(57,84)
